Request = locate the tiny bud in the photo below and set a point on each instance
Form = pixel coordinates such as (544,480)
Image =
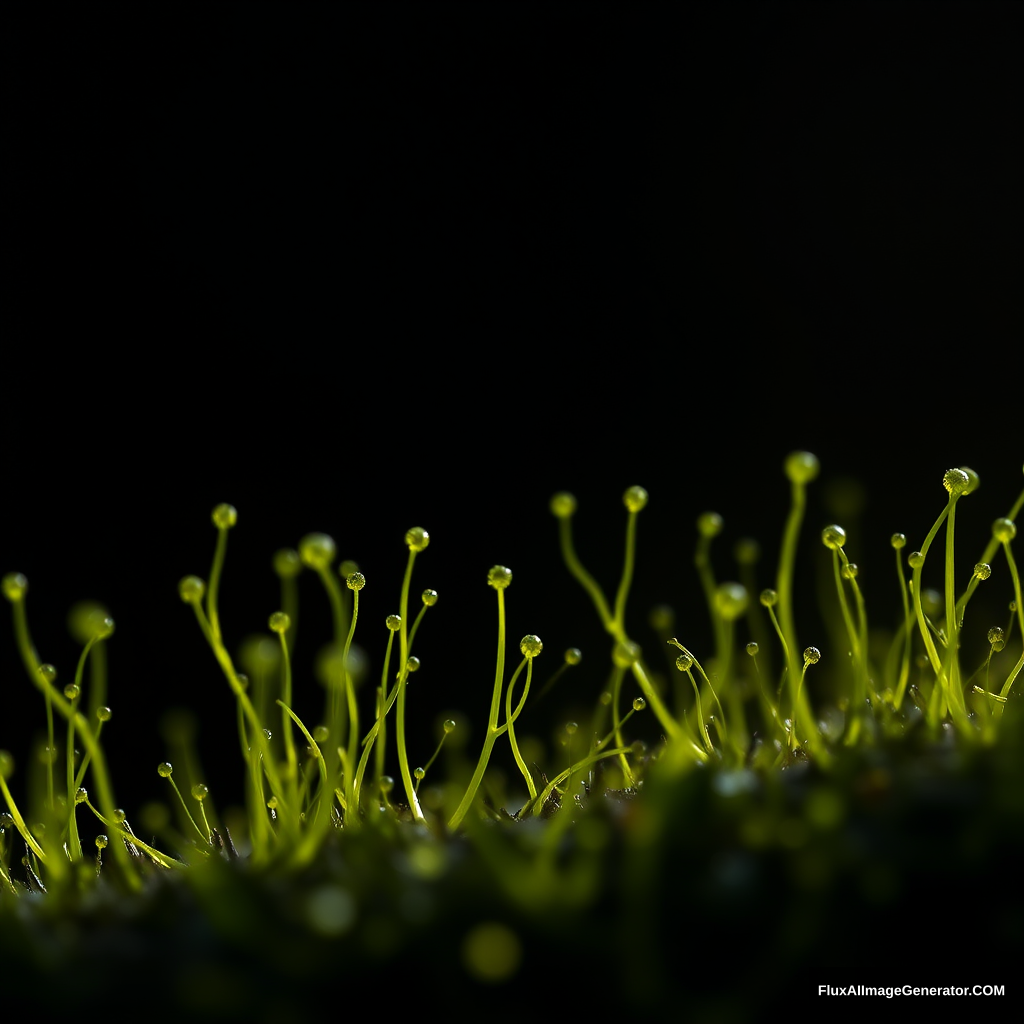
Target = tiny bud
(317,550)
(287,563)
(225,516)
(499,577)
(833,537)
(635,499)
(1004,530)
(563,504)
(417,538)
(709,524)
(956,481)
(801,467)
(15,586)
(191,589)
(279,622)
(531,645)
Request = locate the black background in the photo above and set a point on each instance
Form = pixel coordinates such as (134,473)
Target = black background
(356,268)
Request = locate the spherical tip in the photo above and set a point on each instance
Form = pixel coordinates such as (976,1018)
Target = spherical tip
(417,538)
(355,581)
(200,791)
(279,622)
(287,563)
(573,656)
(769,597)
(639,703)
(531,645)
(499,577)
(731,600)
(956,481)
(983,570)
(393,622)
(811,655)
(224,516)
(429,597)
(15,586)
(1004,530)
(563,504)
(635,498)
(684,662)
(801,467)
(833,537)
(709,524)
(317,550)
(898,541)
(165,769)
(191,589)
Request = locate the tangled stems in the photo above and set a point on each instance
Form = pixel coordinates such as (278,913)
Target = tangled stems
(563,506)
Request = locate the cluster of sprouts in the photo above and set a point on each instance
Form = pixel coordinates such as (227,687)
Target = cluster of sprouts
(307,783)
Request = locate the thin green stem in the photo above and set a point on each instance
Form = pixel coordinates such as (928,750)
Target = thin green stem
(19,821)
(627,571)
(291,758)
(371,736)
(403,670)
(492,723)
(587,581)
(510,720)
(350,694)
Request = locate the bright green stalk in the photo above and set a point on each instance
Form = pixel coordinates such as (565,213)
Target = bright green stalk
(492,723)
(317,755)
(403,674)
(19,821)
(901,687)
(32,664)
(627,571)
(286,721)
(587,581)
(261,757)
(368,741)
(801,467)
(617,677)
(350,692)
(339,708)
(99,768)
(509,722)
